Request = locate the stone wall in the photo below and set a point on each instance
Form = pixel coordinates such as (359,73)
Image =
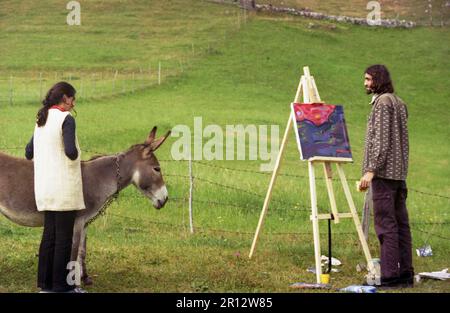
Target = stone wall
(252,5)
(335,18)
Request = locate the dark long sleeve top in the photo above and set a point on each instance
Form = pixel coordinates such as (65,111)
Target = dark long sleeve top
(386,150)
(70,148)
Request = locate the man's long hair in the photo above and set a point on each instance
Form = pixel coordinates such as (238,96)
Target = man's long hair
(382,82)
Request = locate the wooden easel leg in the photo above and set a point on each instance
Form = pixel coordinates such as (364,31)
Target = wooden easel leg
(315,220)
(354,213)
(272,183)
(329,183)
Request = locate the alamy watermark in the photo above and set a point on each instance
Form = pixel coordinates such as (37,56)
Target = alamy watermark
(227,144)
(74,276)
(74,16)
(374,16)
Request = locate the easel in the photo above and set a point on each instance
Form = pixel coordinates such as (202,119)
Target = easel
(308,86)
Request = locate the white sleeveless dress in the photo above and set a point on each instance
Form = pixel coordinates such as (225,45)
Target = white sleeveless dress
(58,185)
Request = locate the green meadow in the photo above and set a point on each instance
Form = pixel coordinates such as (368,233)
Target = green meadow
(228,67)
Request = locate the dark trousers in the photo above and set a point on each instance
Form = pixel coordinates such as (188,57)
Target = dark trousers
(55,251)
(392,227)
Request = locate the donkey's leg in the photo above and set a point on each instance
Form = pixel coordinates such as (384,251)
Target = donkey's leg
(77,229)
(87,280)
(76,239)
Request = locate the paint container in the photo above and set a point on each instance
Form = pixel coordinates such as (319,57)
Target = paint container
(374,278)
(325,278)
(359,289)
(376,263)
(424,251)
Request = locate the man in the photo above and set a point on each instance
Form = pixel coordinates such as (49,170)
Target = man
(384,169)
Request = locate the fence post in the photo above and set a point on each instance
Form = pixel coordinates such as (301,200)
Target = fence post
(114,81)
(93,84)
(150,74)
(40,86)
(123,82)
(11,90)
(191,194)
(159,73)
(101,81)
(245,16)
(239,19)
(81,87)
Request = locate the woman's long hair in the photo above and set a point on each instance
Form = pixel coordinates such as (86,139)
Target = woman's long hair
(381,78)
(54,96)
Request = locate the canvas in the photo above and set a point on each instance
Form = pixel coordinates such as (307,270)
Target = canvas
(321,130)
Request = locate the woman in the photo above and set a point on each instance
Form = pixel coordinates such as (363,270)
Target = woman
(57,185)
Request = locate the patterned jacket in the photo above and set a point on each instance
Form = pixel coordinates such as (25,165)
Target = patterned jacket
(386,147)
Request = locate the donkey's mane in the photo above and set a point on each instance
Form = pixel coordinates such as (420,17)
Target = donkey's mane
(95,157)
(98,156)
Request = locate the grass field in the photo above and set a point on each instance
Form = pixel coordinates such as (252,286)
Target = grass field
(247,75)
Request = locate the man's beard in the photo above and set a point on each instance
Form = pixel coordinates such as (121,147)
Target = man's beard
(369,91)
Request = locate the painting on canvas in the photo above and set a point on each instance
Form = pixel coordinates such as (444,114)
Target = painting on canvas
(321,130)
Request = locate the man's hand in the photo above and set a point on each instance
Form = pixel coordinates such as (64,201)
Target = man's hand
(365,181)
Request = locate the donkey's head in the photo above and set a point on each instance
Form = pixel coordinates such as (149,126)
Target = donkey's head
(147,176)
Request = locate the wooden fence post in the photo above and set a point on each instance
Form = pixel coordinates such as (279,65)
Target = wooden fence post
(40,86)
(81,88)
(11,90)
(114,81)
(191,195)
(159,73)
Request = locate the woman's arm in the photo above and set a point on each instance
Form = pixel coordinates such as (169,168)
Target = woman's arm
(29,149)
(68,129)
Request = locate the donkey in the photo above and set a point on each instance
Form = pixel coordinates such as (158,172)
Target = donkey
(103,178)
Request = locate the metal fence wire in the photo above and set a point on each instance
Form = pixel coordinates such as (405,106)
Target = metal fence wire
(278,205)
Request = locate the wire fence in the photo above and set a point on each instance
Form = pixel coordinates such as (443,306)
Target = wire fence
(243,170)
(31,87)
(27,87)
(414,225)
(277,205)
(285,206)
(297,176)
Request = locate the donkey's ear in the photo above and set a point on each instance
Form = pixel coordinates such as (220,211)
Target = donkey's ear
(155,144)
(151,136)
